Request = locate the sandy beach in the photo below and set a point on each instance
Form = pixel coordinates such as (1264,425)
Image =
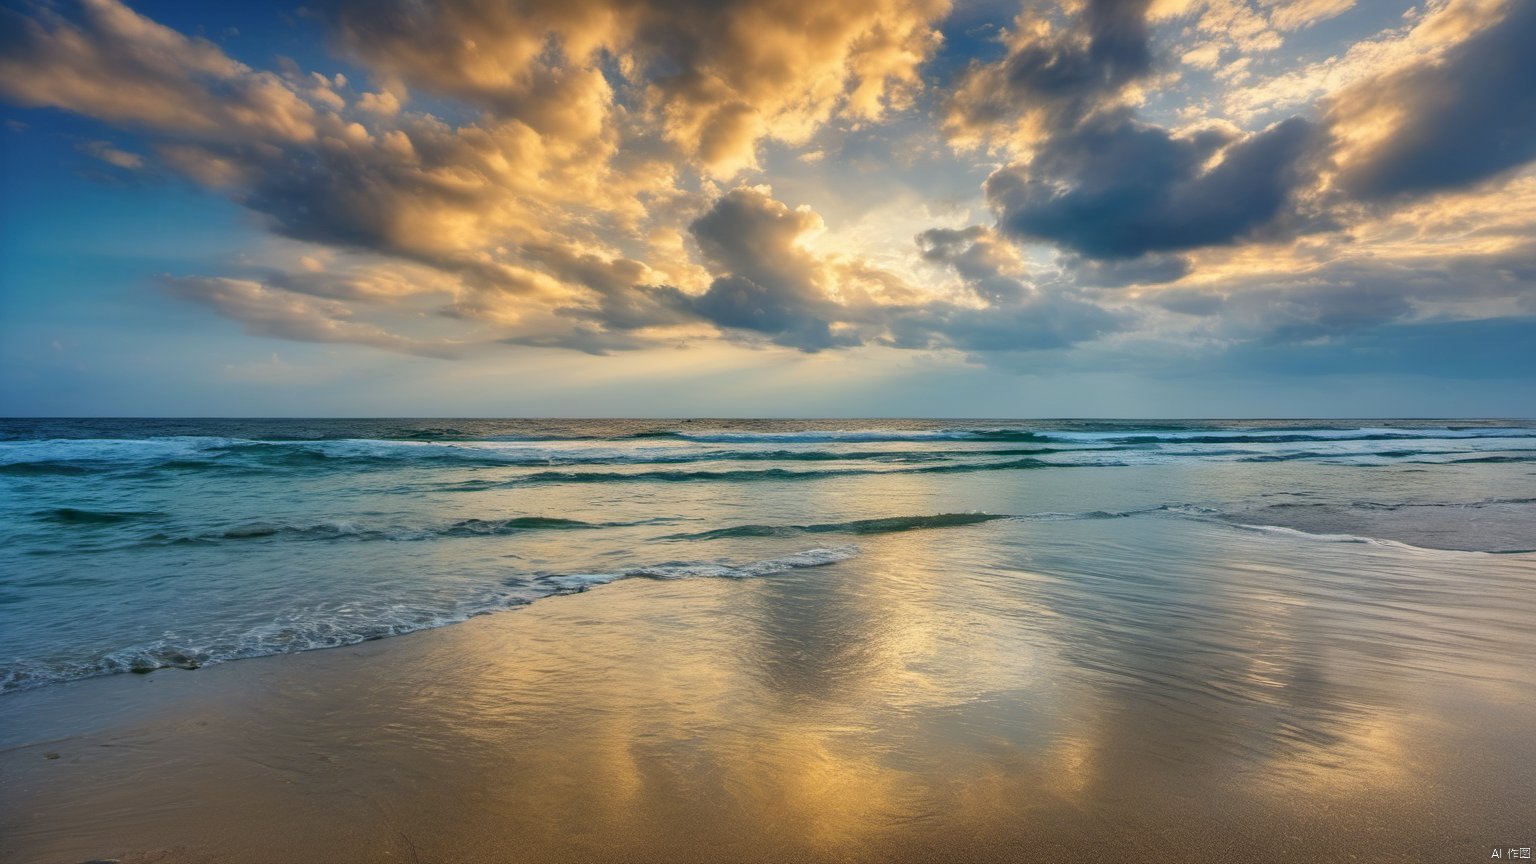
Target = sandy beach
(829,714)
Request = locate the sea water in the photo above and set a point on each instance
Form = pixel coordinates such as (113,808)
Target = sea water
(134,545)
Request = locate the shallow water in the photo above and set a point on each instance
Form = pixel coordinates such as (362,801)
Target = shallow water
(134,544)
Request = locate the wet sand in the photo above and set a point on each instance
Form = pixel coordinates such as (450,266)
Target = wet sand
(844,713)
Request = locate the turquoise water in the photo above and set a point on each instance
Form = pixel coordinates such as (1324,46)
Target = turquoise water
(131,545)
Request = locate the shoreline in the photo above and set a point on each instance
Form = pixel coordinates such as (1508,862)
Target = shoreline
(1475,535)
(690,720)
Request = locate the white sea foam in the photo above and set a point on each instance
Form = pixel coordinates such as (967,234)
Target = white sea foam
(1338,538)
(109,449)
(704,569)
(334,625)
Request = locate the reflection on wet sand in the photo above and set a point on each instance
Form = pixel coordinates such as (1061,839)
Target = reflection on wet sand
(1186,693)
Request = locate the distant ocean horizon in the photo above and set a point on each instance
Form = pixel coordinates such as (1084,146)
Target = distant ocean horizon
(133,544)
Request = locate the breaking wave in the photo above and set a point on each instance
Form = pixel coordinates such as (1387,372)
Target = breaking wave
(339,624)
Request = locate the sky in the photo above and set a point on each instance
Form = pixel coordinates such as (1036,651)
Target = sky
(897,208)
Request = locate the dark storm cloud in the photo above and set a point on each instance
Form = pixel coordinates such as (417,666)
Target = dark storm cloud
(1468,117)
(766,282)
(1065,73)
(1099,182)
(340,197)
(976,259)
(1150,269)
(1115,53)
(741,303)
(1116,188)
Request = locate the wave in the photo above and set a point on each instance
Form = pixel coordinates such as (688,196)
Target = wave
(338,625)
(888,525)
(434,433)
(696,569)
(429,447)
(80,457)
(1342,454)
(348,530)
(292,632)
(855,436)
(1324,537)
(1490,525)
(1402,505)
(1329,538)
(90,450)
(1485,502)
(754,474)
(898,524)
(76,516)
(44,468)
(361,453)
(1142,437)
(1289,436)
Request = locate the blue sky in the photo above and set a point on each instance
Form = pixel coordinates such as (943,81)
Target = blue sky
(754,208)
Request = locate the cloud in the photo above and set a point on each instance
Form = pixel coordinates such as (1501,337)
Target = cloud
(983,265)
(532,209)
(1421,36)
(1468,116)
(516,217)
(1297,14)
(714,77)
(570,195)
(1243,26)
(113,156)
(622,299)
(359,281)
(1053,75)
(587,340)
(1150,269)
(1482,350)
(264,310)
(524,217)
(1012,314)
(1039,323)
(464,198)
(1116,188)
(1106,48)
(1094,178)
(383,103)
(109,62)
(766,281)
(1338,299)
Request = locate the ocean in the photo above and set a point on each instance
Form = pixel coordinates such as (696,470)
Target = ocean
(1202,561)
